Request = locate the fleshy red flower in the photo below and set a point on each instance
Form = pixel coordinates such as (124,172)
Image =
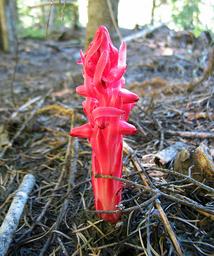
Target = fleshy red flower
(107,107)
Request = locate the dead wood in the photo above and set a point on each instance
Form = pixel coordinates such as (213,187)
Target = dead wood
(167,155)
(143,33)
(14,213)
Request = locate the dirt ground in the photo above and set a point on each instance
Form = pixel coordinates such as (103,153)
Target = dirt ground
(172,72)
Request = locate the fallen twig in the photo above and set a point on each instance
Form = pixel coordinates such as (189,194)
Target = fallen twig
(129,151)
(14,213)
(190,203)
(25,106)
(62,246)
(192,134)
(55,227)
(146,188)
(147,182)
(187,178)
(176,197)
(133,208)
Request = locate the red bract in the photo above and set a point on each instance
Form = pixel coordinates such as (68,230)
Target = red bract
(107,106)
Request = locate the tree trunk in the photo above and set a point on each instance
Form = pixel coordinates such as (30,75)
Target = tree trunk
(7,25)
(100,12)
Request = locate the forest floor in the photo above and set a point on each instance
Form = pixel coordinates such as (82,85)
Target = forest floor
(168,194)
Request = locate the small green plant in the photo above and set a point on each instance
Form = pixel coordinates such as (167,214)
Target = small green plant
(33,20)
(34,33)
(186,15)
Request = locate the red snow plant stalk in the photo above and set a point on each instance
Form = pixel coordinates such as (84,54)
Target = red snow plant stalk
(107,106)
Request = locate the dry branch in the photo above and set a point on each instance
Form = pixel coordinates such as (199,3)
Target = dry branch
(168,227)
(129,151)
(14,213)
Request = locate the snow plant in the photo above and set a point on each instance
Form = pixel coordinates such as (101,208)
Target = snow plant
(107,106)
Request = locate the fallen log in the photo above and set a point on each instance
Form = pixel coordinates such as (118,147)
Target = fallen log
(143,33)
(14,213)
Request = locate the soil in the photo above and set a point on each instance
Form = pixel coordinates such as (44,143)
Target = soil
(38,106)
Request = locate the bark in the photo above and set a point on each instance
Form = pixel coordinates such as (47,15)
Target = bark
(99,13)
(7,25)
